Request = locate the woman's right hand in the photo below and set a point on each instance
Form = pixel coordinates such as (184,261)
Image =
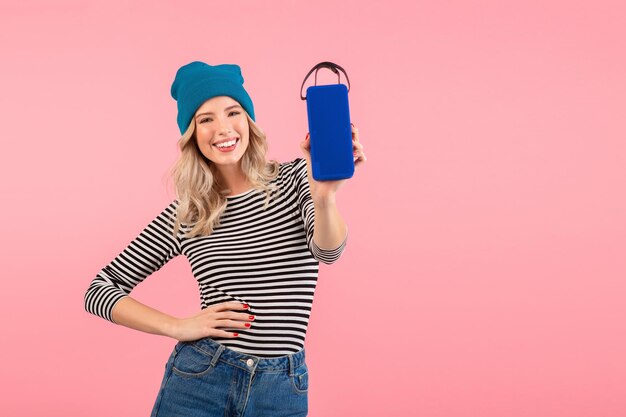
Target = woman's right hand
(208,322)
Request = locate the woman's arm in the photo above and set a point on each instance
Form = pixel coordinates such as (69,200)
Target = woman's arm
(330,230)
(144,255)
(222,319)
(131,313)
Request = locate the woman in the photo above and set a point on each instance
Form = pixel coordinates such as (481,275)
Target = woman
(254,232)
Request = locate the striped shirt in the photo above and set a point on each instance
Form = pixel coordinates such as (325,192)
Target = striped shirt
(264,258)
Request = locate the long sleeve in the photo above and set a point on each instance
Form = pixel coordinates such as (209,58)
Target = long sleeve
(144,255)
(307,210)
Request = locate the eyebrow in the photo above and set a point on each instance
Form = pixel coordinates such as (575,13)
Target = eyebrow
(227,108)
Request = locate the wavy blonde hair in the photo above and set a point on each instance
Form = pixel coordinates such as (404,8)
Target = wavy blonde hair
(201,196)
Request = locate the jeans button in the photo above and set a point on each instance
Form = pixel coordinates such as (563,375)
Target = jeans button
(250,362)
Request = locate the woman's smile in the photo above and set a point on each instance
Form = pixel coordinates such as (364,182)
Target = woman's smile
(227,145)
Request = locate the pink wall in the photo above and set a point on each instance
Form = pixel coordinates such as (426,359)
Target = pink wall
(484,275)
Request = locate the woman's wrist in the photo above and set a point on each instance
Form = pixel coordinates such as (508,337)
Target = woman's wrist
(170,327)
(325,200)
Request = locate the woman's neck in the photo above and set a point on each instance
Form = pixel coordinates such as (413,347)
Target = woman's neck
(234,179)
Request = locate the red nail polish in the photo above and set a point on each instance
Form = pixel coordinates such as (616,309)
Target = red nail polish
(251,317)
(247,324)
(236,334)
(246,306)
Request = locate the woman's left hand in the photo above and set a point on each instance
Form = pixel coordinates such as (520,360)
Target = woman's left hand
(321,190)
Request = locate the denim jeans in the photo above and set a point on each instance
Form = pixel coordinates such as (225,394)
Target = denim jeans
(204,378)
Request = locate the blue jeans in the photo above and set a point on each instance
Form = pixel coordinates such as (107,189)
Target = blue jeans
(204,378)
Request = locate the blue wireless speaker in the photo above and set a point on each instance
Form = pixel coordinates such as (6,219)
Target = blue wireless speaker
(329,126)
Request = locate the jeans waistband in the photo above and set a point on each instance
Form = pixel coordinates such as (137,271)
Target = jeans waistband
(220,352)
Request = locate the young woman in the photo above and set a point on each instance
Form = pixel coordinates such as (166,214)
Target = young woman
(254,233)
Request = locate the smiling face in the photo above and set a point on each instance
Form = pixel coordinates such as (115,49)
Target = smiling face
(222,120)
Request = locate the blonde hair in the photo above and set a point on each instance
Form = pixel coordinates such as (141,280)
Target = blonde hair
(201,196)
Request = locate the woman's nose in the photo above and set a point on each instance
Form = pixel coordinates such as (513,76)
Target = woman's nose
(224,127)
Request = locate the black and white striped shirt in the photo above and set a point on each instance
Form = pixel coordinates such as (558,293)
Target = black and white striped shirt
(264,258)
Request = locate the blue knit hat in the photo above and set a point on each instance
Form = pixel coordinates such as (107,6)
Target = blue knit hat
(197,82)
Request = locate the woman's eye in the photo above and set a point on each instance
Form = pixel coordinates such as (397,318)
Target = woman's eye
(208,119)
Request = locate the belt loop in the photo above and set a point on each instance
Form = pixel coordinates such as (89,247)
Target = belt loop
(291,365)
(220,349)
(177,347)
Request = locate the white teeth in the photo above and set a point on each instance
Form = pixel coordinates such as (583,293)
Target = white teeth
(226,144)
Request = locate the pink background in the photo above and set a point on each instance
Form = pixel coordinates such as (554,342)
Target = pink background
(484,273)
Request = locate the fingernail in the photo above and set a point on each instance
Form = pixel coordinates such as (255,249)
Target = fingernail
(247,324)
(236,334)
(246,306)
(251,317)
